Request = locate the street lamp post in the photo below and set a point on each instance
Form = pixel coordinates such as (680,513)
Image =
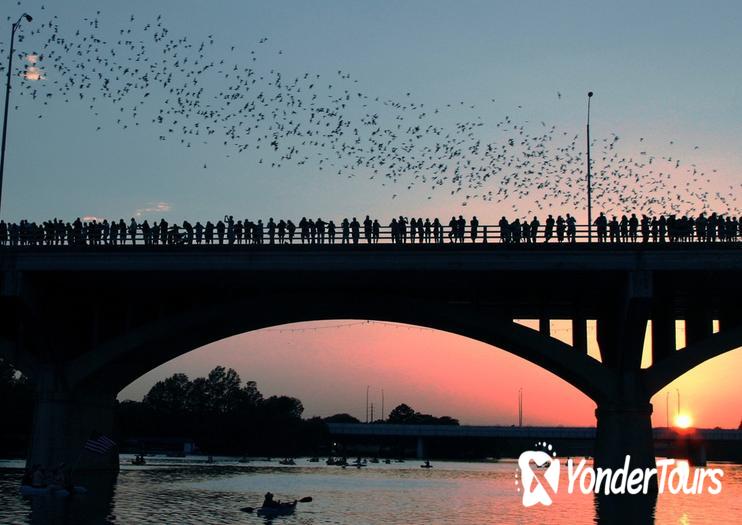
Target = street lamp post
(589,181)
(7,98)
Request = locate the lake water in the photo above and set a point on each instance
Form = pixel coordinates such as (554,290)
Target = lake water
(190,491)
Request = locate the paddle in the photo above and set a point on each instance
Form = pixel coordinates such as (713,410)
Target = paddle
(305,499)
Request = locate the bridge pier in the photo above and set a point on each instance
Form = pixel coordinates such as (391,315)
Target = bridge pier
(624,418)
(65,419)
(420,448)
(624,429)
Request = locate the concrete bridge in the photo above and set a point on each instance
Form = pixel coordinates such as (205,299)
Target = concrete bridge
(84,322)
(690,444)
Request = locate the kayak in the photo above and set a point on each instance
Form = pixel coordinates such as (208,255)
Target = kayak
(281,510)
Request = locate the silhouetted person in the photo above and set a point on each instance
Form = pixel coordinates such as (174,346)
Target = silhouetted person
(281,231)
(615,229)
(633,227)
(474,226)
(368,229)
(601,224)
(549,228)
(271,231)
(504,229)
(645,226)
(534,229)
(291,229)
(452,227)
(331,232)
(624,225)
(571,229)
(437,231)
(320,225)
(345,226)
(355,230)
(560,228)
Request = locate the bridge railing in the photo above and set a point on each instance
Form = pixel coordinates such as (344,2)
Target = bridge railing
(482,234)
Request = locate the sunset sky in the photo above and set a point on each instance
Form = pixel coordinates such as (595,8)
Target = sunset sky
(666,79)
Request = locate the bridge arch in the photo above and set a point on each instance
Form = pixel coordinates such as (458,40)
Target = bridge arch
(119,361)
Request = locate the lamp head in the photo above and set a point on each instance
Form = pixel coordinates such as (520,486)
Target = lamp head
(28,17)
(589,93)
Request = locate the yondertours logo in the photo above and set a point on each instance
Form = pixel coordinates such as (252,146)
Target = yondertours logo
(539,471)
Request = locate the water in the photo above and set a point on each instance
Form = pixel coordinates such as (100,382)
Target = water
(189,491)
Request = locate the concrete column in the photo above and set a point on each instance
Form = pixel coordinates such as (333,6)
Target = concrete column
(64,420)
(698,326)
(624,429)
(579,335)
(420,450)
(663,334)
(544,326)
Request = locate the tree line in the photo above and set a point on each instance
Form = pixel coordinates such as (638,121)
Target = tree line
(219,412)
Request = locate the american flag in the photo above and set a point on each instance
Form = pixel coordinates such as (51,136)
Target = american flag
(99,444)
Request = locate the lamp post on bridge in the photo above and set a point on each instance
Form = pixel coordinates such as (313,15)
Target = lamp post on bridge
(15,27)
(589,180)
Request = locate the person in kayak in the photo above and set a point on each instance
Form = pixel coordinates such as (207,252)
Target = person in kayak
(270,503)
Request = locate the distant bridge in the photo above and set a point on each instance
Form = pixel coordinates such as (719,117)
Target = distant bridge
(694,444)
(398,430)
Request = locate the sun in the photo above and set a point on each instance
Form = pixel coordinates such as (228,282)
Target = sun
(683,421)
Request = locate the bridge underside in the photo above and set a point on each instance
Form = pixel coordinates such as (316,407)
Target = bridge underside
(84,325)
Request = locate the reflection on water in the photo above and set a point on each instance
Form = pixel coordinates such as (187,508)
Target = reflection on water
(190,491)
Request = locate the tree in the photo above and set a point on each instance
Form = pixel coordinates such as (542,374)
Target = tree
(223,390)
(404,414)
(283,407)
(341,418)
(170,396)
(401,414)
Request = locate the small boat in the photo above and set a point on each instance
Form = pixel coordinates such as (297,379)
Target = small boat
(426,465)
(281,510)
(287,461)
(138,460)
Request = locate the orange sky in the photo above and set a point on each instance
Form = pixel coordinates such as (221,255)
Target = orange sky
(434,372)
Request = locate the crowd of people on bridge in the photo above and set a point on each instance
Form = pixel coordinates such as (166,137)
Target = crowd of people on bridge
(401,230)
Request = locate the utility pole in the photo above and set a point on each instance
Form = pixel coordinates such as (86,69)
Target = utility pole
(367,388)
(372,412)
(382,404)
(7,97)
(520,407)
(589,180)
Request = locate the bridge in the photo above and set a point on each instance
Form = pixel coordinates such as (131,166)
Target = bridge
(691,443)
(83,322)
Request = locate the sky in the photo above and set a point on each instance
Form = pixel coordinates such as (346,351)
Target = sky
(665,82)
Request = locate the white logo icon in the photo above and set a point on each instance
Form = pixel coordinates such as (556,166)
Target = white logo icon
(539,477)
